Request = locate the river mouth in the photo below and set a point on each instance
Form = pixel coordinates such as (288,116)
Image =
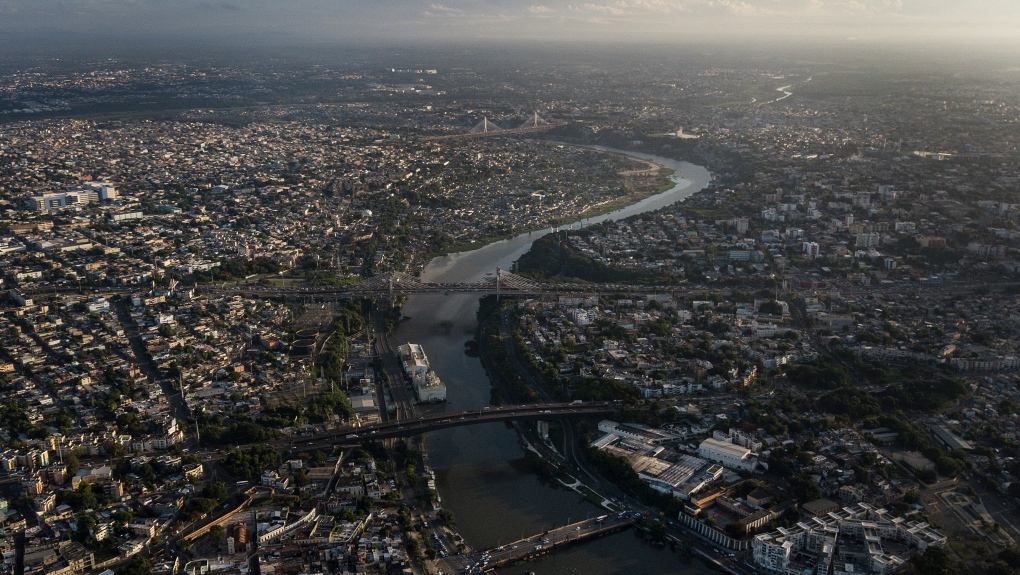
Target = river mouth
(481,471)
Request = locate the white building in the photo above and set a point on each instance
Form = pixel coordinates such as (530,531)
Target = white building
(427,385)
(104,190)
(764,329)
(58,200)
(274,480)
(868,240)
(583,317)
(413,359)
(89,192)
(737,437)
(728,454)
(638,432)
(849,540)
(429,388)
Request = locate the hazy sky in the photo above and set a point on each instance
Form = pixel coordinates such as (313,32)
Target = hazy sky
(619,20)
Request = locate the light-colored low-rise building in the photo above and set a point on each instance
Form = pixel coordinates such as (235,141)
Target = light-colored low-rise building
(728,454)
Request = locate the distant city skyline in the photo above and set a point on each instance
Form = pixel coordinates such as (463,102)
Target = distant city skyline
(255,21)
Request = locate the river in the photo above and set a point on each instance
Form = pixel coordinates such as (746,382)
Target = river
(480,470)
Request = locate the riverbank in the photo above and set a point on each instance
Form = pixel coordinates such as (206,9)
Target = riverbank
(637,195)
(482,472)
(665,174)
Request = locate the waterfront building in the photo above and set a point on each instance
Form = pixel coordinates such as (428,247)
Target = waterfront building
(428,388)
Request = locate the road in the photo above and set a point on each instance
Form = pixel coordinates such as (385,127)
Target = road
(395,377)
(534,288)
(142,361)
(1004,514)
(538,544)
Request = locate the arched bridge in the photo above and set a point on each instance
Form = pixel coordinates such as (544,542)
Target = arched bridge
(437,421)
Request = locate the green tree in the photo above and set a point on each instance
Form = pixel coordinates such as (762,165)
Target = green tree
(804,489)
(86,522)
(1011,555)
(215,490)
(250,463)
(72,465)
(934,561)
(365,504)
(999,568)
(318,459)
(446,517)
(79,499)
(217,535)
(327,403)
(122,517)
(138,566)
(658,531)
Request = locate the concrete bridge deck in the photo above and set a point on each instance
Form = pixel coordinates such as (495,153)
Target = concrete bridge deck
(538,545)
(433,422)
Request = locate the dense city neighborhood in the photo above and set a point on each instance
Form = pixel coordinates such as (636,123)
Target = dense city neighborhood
(807,365)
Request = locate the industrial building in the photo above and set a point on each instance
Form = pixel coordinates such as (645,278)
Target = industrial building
(728,454)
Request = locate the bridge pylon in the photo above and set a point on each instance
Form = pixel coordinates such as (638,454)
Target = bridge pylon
(485,127)
(535,121)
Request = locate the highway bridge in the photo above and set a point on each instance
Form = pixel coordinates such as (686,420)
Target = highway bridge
(537,545)
(393,284)
(400,284)
(434,422)
(487,129)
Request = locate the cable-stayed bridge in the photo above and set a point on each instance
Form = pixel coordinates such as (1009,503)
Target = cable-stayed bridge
(486,128)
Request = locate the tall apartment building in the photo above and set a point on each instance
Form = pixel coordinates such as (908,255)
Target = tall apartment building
(88,193)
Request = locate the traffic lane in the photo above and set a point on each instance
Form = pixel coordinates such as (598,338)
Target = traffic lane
(701,544)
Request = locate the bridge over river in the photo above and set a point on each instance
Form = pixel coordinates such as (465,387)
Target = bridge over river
(400,284)
(537,545)
(433,422)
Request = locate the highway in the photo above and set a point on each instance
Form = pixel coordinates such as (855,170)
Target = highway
(449,289)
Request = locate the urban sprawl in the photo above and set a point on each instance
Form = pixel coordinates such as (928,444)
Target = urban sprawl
(809,366)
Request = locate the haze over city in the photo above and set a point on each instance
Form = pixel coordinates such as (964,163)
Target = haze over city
(509,287)
(257,22)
